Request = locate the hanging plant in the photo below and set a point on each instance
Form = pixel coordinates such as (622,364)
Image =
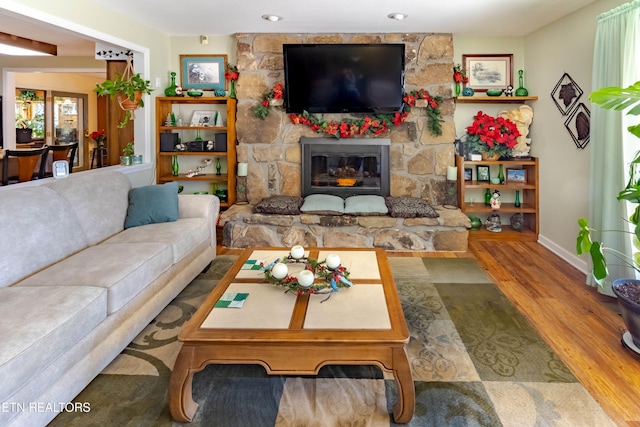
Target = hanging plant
(368,125)
(128,89)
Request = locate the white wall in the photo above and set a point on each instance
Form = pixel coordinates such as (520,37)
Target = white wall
(563,46)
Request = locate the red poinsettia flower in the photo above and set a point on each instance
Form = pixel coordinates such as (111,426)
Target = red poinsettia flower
(459,74)
(231,73)
(492,135)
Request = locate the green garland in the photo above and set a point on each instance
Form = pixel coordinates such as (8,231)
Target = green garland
(369,125)
(333,279)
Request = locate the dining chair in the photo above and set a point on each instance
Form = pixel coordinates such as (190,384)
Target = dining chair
(64,152)
(27,163)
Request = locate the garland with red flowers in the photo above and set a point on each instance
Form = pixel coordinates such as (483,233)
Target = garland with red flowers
(375,124)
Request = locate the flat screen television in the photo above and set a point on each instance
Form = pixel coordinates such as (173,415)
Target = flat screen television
(343,78)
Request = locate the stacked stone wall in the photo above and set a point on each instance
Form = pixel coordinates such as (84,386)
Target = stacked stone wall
(271,147)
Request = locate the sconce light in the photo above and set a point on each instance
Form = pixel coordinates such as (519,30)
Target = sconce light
(20,46)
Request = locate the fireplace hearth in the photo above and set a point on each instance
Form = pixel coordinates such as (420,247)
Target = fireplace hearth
(345,168)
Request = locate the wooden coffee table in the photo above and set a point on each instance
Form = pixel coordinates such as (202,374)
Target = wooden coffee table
(360,325)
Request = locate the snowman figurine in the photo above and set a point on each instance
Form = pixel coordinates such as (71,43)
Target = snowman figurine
(495,200)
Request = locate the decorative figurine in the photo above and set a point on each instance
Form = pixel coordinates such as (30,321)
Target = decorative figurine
(199,169)
(508,91)
(522,117)
(516,221)
(468,91)
(493,223)
(495,200)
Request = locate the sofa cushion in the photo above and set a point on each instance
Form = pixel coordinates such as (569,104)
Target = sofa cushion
(183,235)
(365,205)
(280,205)
(99,200)
(58,317)
(323,204)
(410,207)
(124,269)
(39,228)
(152,204)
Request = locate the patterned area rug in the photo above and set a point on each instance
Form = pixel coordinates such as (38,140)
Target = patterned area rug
(476,362)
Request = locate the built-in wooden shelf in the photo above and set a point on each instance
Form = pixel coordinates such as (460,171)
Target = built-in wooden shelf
(502,99)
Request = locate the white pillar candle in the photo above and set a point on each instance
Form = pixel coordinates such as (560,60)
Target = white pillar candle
(297,252)
(242,169)
(305,278)
(333,261)
(452,173)
(279,271)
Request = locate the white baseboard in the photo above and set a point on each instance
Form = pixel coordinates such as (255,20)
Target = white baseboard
(569,257)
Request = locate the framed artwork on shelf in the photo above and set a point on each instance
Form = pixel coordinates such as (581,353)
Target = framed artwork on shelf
(203,118)
(488,71)
(482,173)
(204,72)
(516,176)
(468,174)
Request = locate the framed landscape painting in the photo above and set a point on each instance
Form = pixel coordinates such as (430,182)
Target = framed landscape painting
(488,71)
(204,72)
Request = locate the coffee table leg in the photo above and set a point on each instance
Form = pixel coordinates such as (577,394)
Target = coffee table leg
(404,407)
(181,403)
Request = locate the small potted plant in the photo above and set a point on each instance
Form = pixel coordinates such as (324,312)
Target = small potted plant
(626,289)
(24,129)
(128,89)
(127,154)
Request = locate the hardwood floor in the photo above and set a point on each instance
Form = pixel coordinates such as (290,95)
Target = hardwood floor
(582,326)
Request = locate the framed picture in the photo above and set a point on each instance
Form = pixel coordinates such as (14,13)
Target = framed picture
(203,118)
(468,174)
(482,173)
(204,72)
(488,71)
(516,176)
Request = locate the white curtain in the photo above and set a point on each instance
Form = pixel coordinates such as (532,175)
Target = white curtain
(615,63)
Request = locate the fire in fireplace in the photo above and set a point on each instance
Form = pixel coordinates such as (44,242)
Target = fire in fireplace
(334,166)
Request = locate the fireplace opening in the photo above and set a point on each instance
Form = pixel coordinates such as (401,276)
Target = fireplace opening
(332,166)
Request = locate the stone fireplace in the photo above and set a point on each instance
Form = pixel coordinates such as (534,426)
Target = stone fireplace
(345,167)
(417,160)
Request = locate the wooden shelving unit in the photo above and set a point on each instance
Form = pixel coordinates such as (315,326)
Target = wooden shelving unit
(494,99)
(167,105)
(529,198)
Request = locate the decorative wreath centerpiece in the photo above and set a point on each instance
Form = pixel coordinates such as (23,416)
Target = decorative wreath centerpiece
(368,125)
(334,275)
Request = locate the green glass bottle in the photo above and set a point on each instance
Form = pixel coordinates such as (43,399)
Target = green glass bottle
(175,167)
(171,90)
(516,203)
(501,174)
(198,138)
(487,197)
(521,91)
(218,166)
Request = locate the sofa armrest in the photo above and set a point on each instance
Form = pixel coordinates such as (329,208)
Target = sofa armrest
(201,206)
(198,206)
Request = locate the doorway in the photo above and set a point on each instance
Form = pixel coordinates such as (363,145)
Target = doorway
(70,121)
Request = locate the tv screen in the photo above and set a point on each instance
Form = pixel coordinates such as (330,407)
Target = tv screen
(343,78)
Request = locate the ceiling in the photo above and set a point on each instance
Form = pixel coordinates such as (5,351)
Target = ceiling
(193,18)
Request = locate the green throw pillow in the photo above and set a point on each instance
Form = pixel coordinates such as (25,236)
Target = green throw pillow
(365,205)
(323,204)
(152,204)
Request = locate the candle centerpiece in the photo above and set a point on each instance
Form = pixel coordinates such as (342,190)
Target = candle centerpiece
(332,272)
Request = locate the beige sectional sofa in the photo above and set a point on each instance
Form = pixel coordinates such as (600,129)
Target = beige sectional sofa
(76,288)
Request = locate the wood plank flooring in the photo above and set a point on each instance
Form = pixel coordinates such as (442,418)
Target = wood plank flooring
(581,325)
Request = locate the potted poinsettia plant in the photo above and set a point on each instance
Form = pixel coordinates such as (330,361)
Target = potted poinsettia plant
(492,137)
(128,89)
(626,289)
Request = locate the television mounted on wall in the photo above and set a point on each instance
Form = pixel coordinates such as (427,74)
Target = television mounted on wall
(344,78)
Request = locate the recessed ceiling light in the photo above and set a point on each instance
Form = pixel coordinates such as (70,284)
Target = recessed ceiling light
(272,18)
(397,16)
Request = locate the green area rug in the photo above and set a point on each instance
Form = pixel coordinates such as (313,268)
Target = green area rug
(475,359)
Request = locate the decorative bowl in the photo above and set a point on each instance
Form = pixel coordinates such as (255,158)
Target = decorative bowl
(194,93)
(220,92)
(494,92)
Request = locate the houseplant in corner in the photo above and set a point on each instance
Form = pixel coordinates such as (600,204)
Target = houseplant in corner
(127,154)
(128,89)
(626,289)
